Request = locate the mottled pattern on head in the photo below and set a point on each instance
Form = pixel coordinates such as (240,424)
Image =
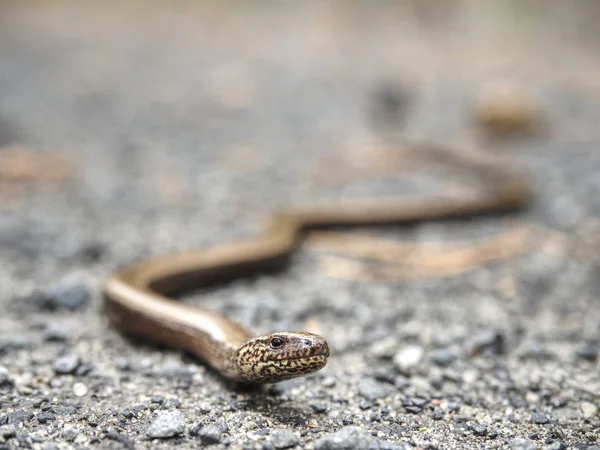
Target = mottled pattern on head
(280,356)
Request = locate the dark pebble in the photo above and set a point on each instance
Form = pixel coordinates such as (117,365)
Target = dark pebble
(319,407)
(173,403)
(589,352)
(118,437)
(57,332)
(415,401)
(454,406)
(413,409)
(209,434)
(283,438)
(479,429)
(443,357)
(294,419)
(488,342)
(92,251)
(537,351)
(364,405)
(45,416)
(72,295)
(539,418)
(8,431)
(66,364)
(129,414)
(158,399)
(83,369)
(437,414)
(18,418)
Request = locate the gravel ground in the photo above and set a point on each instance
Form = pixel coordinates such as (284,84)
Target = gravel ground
(130,130)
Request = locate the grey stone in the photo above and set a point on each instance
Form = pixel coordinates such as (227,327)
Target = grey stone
(319,407)
(491,341)
(8,431)
(57,331)
(283,438)
(589,352)
(72,295)
(69,433)
(208,434)
(588,409)
(348,438)
(523,444)
(167,425)
(18,418)
(50,446)
(66,364)
(372,389)
(443,357)
(4,378)
(479,429)
(539,418)
(45,416)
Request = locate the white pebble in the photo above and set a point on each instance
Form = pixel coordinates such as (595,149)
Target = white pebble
(80,389)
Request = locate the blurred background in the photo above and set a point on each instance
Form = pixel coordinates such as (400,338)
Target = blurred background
(130,129)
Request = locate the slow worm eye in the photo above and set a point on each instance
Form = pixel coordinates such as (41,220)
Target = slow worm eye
(276,342)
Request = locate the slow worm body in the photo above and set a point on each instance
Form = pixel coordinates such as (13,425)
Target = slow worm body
(138,297)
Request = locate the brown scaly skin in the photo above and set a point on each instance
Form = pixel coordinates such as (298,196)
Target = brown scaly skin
(280,356)
(139,298)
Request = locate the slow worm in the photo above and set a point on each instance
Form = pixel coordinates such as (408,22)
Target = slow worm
(138,298)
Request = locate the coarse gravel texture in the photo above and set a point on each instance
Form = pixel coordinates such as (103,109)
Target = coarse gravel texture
(184,125)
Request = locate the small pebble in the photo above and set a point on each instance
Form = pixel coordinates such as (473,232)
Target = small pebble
(166,425)
(8,431)
(45,416)
(319,407)
(72,295)
(589,352)
(539,418)
(557,445)
(57,331)
(80,389)
(523,444)
(66,364)
(443,357)
(50,446)
(328,382)
(488,341)
(372,389)
(69,433)
(208,434)
(283,438)
(407,358)
(588,409)
(4,378)
(348,438)
(479,429)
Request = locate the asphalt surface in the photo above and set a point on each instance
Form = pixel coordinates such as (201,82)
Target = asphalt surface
(130,130)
